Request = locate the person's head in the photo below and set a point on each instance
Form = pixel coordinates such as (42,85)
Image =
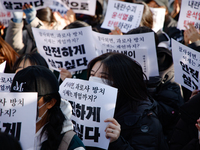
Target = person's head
(8,54)
(47,17)
(123,73)
(147,16)
(76,24)
(158,4)
(8,142)
(29,59)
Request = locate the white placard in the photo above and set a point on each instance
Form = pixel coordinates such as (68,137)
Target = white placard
(87,7)
(2,67)
(134,42)
(58,7)
(92,103)
(189,13)
(6,81)
(5,17)
(158,18)
(125,15)
(186,65)
(18,116)
(16,5)
(71,49)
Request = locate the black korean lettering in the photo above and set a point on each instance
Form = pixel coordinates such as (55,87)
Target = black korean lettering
(84,61)
(89,136)
(13,101)
(47,50)
(15,130)
(67,51)
(187,80)
(117,5)
(39,3)
(84,6)
(18,5)
(185,67)
(70,65)
(59,64)
(78,129)
(80,111)
(3,101)
(73,108)
(195,74)
(52,63)
(2,87)
(74,5)
(95,111)
(80,49)
(8,5)
(56,51)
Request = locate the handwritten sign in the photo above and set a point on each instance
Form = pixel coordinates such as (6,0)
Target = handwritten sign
(124,15)
(158,18)
(189,13)
(18,116)
(71,49)
(5,17)
(186,65)
(58,7)
(92,103)
(87,7)
(128,45)
(16,5)
(6,81)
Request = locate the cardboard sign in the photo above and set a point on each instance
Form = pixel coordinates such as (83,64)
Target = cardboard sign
(18,116)
(6,81)
(124,15)
(92,103)
(186,65)
(16,5)
(71,49)
(189,13)
(128,45)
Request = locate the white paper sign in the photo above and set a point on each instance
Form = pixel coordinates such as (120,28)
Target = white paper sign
(92,103)
(126,42)
(6,81)
(124,15)
(18,116)
(2,67)
(71,49)
(189,13)
(158,18)
(87,7)
(5,17)
(186,65)
(16,5)
(58,7)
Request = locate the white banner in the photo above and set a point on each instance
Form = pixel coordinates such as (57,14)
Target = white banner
(92,103)
(18,116)
(124,15)
(186,65)
(6,81)
(71,49)
(16,5)
(189,13)
(128,45)
(87,7)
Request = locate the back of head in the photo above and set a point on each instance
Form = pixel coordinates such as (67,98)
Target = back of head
(76,24)
(45,14)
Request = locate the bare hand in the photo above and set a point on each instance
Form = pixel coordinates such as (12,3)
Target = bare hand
(112,130)
(116,31)
(65,74)
(70,16)
(191,34)
(195,92)
(198,124)
(60,19)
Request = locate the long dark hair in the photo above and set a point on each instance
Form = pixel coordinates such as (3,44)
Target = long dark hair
(126,75)
(55,121)
(46,14)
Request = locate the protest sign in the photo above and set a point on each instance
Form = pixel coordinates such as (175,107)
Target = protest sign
(71,49)
(18,116)
(16,5)
(189,13)
(125,43)
(87,7)
(186,65)
(5,17)
(2,67)
(158,18)
(58,7)
(124,15)
(92,103)
(6,81)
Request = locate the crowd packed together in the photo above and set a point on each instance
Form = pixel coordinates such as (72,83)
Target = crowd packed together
(154,113)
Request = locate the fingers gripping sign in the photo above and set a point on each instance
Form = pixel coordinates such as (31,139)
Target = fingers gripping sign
(112,130)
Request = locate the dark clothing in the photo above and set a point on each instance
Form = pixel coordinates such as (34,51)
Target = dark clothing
(139,130)
(195,45)
(185,136)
